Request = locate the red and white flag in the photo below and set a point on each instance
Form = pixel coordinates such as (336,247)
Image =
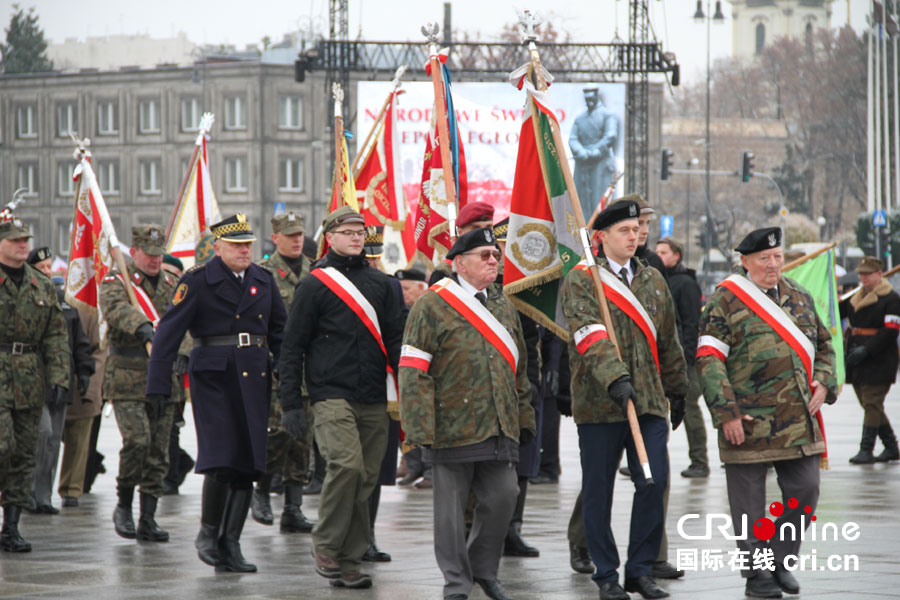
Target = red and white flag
(197,207)
(93,238)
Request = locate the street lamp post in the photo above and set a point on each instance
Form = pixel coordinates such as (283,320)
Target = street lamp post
(687,246)
(718,17)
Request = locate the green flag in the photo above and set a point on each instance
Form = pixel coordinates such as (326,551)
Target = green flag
(817,276)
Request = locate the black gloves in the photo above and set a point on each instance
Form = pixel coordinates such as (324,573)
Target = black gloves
(294,422)
(525,437)
(564,405)
(676,410)
(145,333)
(620,391)
(156,405)
(856,356)
(180,366)
(84,381)
(59,396)
(552,382)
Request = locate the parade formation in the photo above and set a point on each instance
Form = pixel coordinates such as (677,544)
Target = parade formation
(320,353)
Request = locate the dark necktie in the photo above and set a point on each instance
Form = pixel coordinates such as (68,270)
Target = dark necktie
(623,275)
(481,298)
(773,294)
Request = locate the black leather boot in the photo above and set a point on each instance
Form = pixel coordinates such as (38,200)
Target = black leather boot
(260,504)
(212,508)
(147,528)
(864,456)
(514,545)
(10,538)
(123,520)
(891,451)
(292,519)
(236,509)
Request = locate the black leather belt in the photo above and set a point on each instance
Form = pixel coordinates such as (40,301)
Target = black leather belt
(241,340)
(18,348)
(128,352)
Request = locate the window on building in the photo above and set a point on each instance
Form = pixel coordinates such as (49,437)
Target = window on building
(63,237)
(108,117)
(235,174)
(235,113)
(151,176)
(65,171)
(149,116)
(66,119)
(26,121)
(27,178)
(190,114)
(290,112)
(108,176)
(760,38)
(290,175)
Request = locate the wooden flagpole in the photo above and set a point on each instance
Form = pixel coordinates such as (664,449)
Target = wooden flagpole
(387,102)
(529,21)
(604,201)
(206,122)
(430,31)
(796,263)
(337,184)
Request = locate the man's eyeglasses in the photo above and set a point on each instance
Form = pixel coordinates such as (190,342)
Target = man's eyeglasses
(351,233)
(486,254)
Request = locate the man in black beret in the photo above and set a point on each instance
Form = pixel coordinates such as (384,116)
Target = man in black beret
(648,367)
(766,366)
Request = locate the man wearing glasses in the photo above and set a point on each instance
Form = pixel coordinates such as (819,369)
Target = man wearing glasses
(465,398)
(343,335)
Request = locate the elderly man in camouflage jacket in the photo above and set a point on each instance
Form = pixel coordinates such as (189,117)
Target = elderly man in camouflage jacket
(145,426)
(766,366)
(465,398)
(650,369)
(34,350)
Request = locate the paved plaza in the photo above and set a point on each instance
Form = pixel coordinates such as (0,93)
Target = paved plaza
(77,555)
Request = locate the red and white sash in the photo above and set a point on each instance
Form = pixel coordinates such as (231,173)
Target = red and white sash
(766,309)
(344,289)
(479,317)
(625,300)
(144,300)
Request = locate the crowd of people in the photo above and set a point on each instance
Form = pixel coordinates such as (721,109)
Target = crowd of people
(301,370)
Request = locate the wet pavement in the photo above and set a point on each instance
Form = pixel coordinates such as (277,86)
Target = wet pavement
(77,555)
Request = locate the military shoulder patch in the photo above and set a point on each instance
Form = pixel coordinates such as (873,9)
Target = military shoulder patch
(180,293)
(196,267)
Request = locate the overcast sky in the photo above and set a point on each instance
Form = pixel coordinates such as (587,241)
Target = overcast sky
(242,22)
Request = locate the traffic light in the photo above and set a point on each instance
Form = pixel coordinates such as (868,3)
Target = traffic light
(268,249)
(665,165)
(747,166)
(708,239)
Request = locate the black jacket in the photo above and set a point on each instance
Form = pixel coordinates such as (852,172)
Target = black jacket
(686,294)
(880,366)
(325,342)
(650,257)
(82,359)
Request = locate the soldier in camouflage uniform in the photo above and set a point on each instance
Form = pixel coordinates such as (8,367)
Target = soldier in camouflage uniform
(651,372)
(34,353)
(284,453)
(466,400)
(145,426)
(763,400)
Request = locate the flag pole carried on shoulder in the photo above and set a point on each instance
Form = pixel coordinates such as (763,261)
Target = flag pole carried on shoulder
(86,178)
(430,31)
(364,149)
(529,22)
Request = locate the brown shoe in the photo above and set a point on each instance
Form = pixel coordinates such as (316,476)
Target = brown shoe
(425,484)
(326,566)
(353,580)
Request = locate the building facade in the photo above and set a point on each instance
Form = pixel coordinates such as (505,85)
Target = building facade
(755,23)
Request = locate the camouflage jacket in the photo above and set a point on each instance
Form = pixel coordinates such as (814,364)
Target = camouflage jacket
(287,282)
(125,376)
(762,377)
(31,314)
(469,393)
(598,366)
